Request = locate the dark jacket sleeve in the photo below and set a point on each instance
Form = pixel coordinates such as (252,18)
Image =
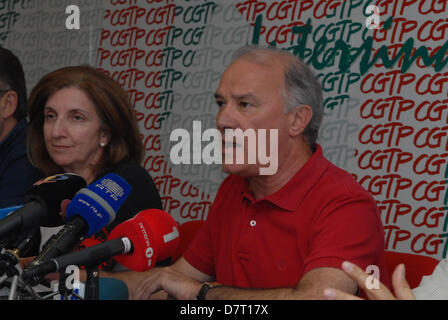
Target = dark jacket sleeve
(16,173)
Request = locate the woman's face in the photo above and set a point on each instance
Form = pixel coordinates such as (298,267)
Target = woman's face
(72,132)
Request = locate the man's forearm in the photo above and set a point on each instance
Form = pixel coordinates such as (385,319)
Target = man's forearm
(232,293)
(310,287)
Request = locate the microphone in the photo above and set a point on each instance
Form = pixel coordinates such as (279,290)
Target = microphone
(43,199)
(154,236)
(138,243)
(91,209)
(6,211)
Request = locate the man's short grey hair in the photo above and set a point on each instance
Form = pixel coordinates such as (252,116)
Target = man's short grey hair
(301,85)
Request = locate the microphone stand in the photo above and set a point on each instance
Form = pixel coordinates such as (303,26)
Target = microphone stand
(63,290)
(13,289)
(10,268)
(92,287)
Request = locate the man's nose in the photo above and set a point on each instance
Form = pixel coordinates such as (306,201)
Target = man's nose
(226,118)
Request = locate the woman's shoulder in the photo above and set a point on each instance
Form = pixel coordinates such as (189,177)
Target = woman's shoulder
(138,177)
(144,192)
(130,170)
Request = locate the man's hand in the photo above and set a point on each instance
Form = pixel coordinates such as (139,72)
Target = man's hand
(399,283)
(174,283)
(178,281)
(158,282)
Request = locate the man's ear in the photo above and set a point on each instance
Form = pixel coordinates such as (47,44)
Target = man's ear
(299,118)
(8,104)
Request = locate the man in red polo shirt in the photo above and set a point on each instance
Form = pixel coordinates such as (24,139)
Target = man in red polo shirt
(279,236)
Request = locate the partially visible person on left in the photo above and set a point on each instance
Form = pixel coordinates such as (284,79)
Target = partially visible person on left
(16,172)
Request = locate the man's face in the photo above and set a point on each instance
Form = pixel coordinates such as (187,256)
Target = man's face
(251,96)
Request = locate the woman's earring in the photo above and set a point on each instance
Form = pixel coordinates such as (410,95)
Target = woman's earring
(102,144)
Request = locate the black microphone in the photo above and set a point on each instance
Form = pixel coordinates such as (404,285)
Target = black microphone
(91,209)
(138,243)
(42,204)
(91,256)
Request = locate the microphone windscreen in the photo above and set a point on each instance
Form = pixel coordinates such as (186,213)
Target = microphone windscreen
(154,236)
(166,230)
(50,191)
(99,202)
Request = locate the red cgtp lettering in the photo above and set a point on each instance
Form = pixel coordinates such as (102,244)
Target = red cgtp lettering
(195,209)
(431,83)
(433,30)
(326,8)
(251,9)
(394,235)
(388,185)
(152,142)
(139,115)
(157,37)
(379,82)
(426,7)
(169,204)
(390,133)
(424,217)
(121,2)
(392,209)
(152,121)
(128,57)
(389,7)
(287,10)
(125,16)
(390,159)
(423,243)
(433,138)
(161,15)
(389,108)
(280,33)
(152,79)
(152,100)
(123,37)
(155,163)
(154,58)
(432,111)
(166,183)
(428,191)
(188,190)
(136,96)
(430,164)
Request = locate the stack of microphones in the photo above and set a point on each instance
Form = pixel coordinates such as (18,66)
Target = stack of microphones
(151,236)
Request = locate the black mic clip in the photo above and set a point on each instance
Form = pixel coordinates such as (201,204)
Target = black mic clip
(91,289)
(67,292)
(8,263)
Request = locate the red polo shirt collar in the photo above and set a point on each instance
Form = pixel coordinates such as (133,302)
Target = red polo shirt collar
(292,193)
